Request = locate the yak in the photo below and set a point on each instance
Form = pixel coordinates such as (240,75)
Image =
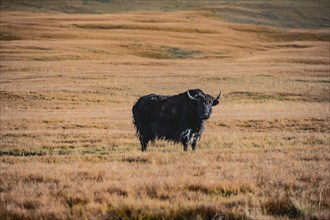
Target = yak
(179,118)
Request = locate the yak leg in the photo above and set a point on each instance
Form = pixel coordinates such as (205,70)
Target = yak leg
(194,138)
(144,143)
(185,145)
(194,143)
(185,139)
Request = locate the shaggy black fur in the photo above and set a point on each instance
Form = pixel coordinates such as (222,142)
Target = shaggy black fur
(178,118)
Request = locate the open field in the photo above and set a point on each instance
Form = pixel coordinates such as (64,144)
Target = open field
(68,148)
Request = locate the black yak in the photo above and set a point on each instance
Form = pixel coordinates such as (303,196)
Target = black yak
(178,118)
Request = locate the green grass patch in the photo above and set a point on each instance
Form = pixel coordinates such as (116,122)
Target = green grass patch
(143,27)
(283,35)
(169,53)
(21,153)
(97,51)
(264,75)
(223,79)
(280,96)
(55,58)
(5,36)
(311,81)
(64,150)
(255,96)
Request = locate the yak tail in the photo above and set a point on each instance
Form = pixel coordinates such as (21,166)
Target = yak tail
(136,120)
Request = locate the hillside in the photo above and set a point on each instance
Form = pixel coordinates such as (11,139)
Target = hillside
(278,13)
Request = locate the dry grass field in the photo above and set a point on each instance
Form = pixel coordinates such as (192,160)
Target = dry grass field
(68,148)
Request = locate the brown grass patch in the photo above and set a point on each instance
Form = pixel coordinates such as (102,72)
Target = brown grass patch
(68,148)
(282,35)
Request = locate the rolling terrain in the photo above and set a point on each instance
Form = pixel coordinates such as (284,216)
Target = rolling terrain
(70,75)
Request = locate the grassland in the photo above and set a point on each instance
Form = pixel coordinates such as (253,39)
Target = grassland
(68,148)
(279,13)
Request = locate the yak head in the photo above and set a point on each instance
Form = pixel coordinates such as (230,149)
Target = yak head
(203,102)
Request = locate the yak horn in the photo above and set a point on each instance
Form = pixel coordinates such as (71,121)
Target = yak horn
(218,97)
(190,96)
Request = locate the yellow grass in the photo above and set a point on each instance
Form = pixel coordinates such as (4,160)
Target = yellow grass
(68,148)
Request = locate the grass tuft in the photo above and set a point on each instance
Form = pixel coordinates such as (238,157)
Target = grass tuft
(282,207)
(137,159)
